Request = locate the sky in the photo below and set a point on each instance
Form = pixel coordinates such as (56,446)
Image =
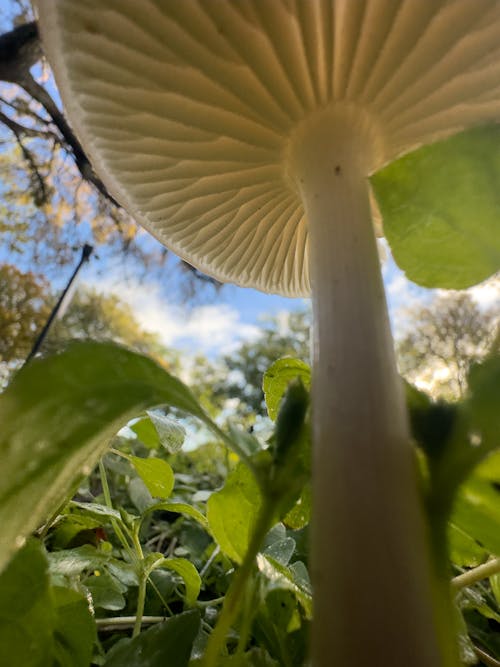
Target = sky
(234,314)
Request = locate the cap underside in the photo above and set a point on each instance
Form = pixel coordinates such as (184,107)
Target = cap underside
(186,108)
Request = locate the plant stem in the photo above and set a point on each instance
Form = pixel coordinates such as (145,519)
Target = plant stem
(141,598)
(232,600)
(486,658)
(366,508)
(115,525)
(478,573)
(123,622)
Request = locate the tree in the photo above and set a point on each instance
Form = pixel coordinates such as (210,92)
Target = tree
(23,311)
(26,301)
(445,339)
(284,335)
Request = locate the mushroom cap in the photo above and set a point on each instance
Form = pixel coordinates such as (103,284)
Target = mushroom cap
(187,108)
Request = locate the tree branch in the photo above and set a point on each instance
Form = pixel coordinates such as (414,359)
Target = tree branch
(19,129)
(20,49)
(40,94)
(37,181)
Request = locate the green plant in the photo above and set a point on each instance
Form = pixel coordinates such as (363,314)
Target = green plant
(149,565)
(250,140)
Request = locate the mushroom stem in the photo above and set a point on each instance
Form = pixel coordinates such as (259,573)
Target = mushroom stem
(375,599)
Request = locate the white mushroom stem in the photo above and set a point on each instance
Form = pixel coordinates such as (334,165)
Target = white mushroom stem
(374,598)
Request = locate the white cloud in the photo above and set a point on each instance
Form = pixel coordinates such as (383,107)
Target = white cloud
(207,329)
(487,294)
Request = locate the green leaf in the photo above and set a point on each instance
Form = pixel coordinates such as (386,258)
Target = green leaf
(180,508)
(279,576)
(58,415)
(189,574)
(75,630)
(95,510)
(281,551)
(157,430)
(146,432)
(245,441)
(232,512)
(26,614)
(479,629)
(171,434)
(167,643)
(70,527)
(489,468)
(106,591)
(480,598)
(290,421)
(257,657)
(484,390)
(441,209)
(156,474)
(464,550)
(291,449)
(477,513)
(72,562)
(300,514)
(457,437)
(278,377)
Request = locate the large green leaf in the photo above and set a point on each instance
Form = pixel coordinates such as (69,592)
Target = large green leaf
(42,625)
(167,643)
(441,209)
(232,512)
(75,629)
(27,617)
(477,514)
(57,417)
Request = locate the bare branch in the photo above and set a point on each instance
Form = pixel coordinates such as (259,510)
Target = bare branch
(20,49)
(21,107)
(40,94)
(37,181)
(19,129)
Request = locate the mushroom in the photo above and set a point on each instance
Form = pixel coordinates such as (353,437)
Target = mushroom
(242,134)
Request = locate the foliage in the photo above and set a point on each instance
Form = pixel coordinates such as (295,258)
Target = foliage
(202,557)
(25,303)
(218,547)
(23,311)
(241,378)
(445,339)
(444,194)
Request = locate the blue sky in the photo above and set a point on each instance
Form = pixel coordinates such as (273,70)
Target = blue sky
(215,324)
